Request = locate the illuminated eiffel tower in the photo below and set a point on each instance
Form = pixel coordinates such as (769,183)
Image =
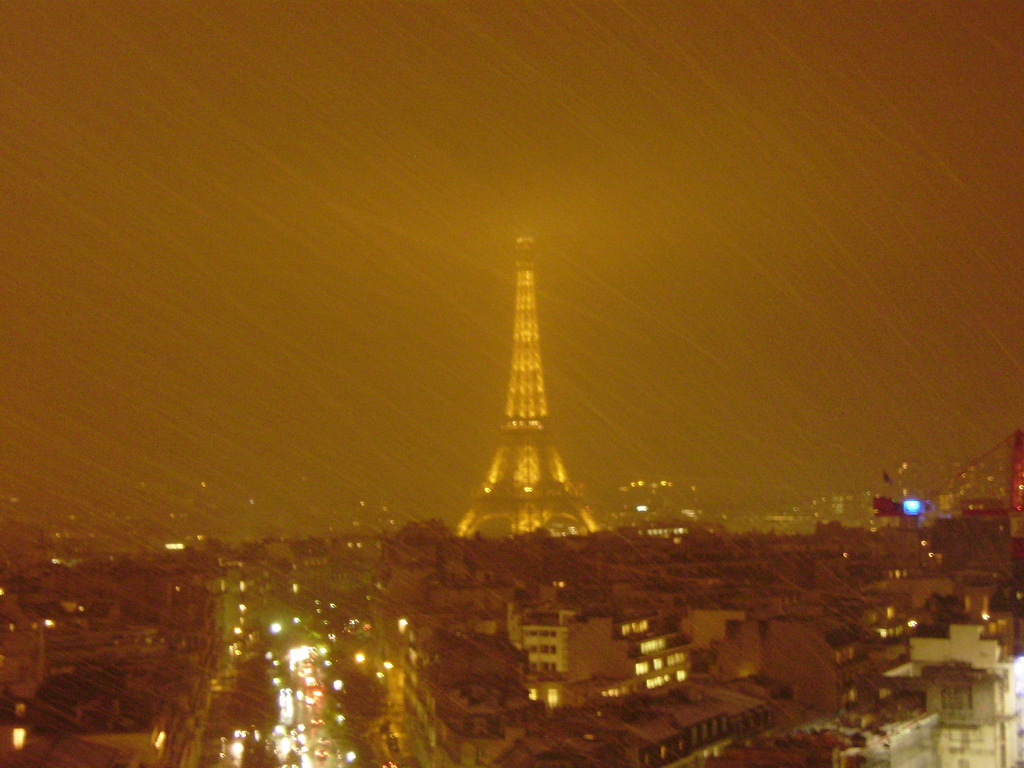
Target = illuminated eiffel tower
(526,484)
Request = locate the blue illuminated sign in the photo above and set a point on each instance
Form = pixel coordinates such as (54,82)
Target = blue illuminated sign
(912,507)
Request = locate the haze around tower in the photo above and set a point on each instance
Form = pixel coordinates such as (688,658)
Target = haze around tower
(256,258)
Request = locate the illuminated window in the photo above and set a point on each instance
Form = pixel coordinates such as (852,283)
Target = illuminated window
(643,667)
(650,646)
(634,627)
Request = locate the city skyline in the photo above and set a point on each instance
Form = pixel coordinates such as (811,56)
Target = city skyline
(268,249)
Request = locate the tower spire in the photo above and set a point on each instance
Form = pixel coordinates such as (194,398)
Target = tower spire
(526,398)
(526,484)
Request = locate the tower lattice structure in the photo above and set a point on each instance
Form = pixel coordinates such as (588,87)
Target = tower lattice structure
(526,484)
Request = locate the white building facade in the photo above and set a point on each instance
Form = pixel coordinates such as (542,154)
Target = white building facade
(976,694)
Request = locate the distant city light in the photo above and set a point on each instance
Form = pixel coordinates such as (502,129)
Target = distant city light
(275,628)
(912,506)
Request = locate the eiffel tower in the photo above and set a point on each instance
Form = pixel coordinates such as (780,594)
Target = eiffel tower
(526,484)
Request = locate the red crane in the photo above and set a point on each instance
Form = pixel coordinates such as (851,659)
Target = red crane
(1017,500)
